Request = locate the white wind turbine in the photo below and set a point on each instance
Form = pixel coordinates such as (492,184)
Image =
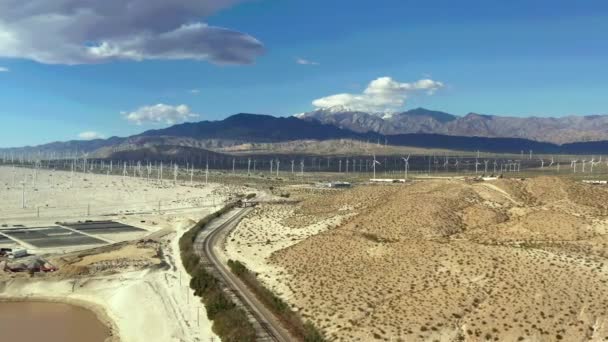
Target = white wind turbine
(407,165)
(477,164)
(375,162)
(542,164)
(573,165)
(584,163)
(207,172)
(175,171)
(593,163)
(485,163)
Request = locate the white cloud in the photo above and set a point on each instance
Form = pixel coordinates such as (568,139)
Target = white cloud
(81,32)
(303,61)
(90,135)
(381,95)
(160,114)
(195,91)
(3,69)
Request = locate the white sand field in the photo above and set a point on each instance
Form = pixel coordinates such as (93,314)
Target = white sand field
(54,195)
(143,305)
(264,232)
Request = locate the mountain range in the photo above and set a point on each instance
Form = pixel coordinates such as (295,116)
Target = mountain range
(561,130)
(423,129)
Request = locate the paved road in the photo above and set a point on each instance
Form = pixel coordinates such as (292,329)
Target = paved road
(208,243)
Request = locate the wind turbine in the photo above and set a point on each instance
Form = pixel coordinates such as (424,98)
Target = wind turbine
(207,172)
(175,171)
(407,165)
(573,165)
(593,163)
(23,194)
(584,163)
(374,165)
(477,163)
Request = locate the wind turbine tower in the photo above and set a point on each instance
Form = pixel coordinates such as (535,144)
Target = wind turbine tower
(375,162)
(407,165)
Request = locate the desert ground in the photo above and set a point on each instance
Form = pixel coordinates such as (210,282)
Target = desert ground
(134,281)
(438,260)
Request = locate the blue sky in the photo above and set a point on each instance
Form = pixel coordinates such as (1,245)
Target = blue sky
(520,58)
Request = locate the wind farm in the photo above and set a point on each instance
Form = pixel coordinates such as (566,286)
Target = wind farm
(439,231)
(308,171)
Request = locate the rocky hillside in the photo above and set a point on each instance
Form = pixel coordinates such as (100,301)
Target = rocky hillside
(560,130)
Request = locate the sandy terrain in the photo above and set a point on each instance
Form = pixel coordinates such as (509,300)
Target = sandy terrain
(139,286)
(441,260)
(54,195)
(264,232)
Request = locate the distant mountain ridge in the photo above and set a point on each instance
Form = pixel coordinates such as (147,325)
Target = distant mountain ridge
(201,138)
(562,130)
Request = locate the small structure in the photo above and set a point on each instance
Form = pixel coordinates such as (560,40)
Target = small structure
(487,179)
(16,253)
(339,185)
(595,182)
(387,180)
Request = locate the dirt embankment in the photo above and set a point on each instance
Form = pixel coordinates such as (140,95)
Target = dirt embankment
(444,260)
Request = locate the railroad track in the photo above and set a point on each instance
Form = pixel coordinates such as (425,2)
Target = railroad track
(205,245)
